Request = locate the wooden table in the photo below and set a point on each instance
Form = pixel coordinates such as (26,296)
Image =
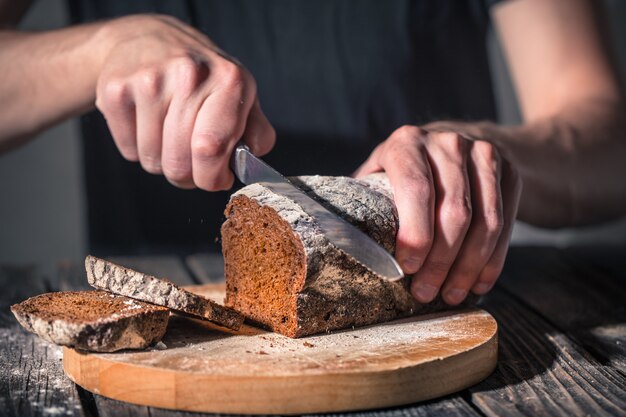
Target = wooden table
(562,317)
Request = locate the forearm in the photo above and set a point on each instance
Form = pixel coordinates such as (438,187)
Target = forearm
(47,76)
(572,164)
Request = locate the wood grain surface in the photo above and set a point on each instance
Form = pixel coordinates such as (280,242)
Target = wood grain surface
(202,368)
(541,372)
(560,313)
(32,382)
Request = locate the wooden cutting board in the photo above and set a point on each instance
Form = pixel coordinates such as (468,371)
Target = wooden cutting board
(200,367)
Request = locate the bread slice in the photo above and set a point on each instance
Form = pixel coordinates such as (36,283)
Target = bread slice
(283,273)
(92,320)
(117,279)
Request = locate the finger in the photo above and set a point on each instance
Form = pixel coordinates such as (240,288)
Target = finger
(403,159)
(220,123)
(259,135)
(187,83)
(150,111)
(176,152)
(448,161)
(511,192)
(486,226)
(115,102)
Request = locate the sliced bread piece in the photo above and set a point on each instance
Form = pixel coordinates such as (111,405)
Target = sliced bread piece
(117,279)
(92,320)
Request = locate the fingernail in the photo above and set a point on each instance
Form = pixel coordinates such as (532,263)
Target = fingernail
(411,265)
(425,292)
(455,295)
(482,287)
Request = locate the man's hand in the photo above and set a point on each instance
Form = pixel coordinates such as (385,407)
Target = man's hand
(178,104)
(457,200)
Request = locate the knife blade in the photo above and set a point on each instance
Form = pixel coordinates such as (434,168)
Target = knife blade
(356,244)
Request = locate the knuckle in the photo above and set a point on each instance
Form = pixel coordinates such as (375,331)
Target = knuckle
(457,213)
(493,223)
(188,74)
(215,184)
(178,171)
(417,245)
(488,154)
(129,153)
(113,92)
(151,164)
(462,276)
(451,147)
(209,145)
(407,132)
(447,137)
(487,150)
(414,243)
(438,267)
(236,79)
(453,142)
(150,82)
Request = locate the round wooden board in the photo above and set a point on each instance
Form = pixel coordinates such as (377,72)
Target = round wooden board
(200,367)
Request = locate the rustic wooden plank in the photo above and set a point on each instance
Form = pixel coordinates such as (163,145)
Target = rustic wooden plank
(451,406)
(611,259)
(32,382)
(582,299)
(603,272)
(206,267)
(541,371)
(113,408)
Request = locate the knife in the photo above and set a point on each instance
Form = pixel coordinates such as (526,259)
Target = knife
(356,244)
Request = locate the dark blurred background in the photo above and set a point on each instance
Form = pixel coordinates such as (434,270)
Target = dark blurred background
(43,186)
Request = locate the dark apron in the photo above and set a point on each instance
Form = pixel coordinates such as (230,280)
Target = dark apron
(335,78)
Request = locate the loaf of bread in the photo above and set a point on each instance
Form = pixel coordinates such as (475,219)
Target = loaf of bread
(281,272)
(92,320)
(117,279)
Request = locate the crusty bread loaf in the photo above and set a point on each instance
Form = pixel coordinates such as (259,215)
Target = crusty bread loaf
(92,320)
(117,279)
(281,271)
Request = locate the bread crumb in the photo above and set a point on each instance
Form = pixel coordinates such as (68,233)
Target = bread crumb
(160,346)
(307,344)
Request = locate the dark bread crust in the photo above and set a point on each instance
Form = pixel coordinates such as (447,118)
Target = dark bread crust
(117,279)
(92,320)
(264,231)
